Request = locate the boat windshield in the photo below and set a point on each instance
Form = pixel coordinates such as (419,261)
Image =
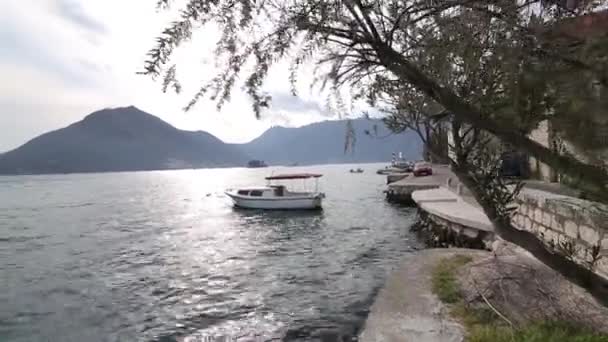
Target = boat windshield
(279,190)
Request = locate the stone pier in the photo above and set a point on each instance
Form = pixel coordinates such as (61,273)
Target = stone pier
(575,228)
(401,190)
(397,176)
(448,220)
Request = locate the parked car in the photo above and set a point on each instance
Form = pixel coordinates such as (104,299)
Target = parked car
(423,169)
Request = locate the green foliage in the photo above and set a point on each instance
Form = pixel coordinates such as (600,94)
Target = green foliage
(535,332)
(500,68)
(454,42)
(444,281)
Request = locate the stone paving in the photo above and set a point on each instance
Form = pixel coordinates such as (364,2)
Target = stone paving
(401,190)
(406,310)
(444,204)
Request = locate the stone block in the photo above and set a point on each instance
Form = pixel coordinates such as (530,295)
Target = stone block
(538,215)
(571,229)
(523,209)
(551,237)
(541,230)
(533,227)
(519,221)
(557,222)
(598,219)
(531,201)
(605,245)
(538,228)
(527,224)
(589,235)
(563,208)
(470,232)
(547,219)
(515,220)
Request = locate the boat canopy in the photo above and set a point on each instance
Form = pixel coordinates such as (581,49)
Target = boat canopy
(295,176)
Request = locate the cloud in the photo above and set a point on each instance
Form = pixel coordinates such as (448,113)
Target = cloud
(287,102)
(75,13)
(34,38)
(34,102)
(23,51)
(62,59)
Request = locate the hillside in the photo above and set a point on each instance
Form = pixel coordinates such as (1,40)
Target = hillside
(121,139)
(323,143)
(128,139)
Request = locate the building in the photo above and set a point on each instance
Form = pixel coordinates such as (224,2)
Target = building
(583,33)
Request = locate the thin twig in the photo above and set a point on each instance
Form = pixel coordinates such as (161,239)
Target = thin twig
(491,306)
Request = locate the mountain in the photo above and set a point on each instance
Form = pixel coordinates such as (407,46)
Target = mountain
(128,139)
(323,143)
(120,139)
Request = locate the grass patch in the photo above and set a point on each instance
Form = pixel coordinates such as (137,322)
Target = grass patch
(444,281)
(484,325)
(533,332)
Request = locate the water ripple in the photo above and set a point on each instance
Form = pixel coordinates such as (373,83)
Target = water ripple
(161,256)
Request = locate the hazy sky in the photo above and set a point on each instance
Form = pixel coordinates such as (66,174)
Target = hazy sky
(62,59)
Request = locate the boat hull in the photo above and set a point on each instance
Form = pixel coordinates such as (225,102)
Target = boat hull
(312,202)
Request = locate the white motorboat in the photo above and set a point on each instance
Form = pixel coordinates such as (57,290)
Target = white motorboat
(275,196)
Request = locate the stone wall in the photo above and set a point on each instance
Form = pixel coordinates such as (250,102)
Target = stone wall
(437,232)
(575,228)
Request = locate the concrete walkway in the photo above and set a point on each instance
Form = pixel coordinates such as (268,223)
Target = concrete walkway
(444,204)
(397,176)
(406,310)
(401,190)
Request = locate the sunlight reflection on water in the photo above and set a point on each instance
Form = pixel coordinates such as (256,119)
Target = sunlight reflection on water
(163,255)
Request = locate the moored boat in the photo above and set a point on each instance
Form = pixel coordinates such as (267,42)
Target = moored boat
(278,197)
(256,163)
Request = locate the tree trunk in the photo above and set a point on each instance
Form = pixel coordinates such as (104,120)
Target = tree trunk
(594,178)
(596,285)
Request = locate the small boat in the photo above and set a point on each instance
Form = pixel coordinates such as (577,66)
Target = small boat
(356,170)
(256,163)
(278,197)
(388,170)
(404,165)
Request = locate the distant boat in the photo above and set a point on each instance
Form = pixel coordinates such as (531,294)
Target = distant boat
(356,170)
(256,163)
(398,166)
(405,165)
(277,196)
(388,170)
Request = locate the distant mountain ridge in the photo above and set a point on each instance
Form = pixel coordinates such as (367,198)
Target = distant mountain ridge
(324,143)
(128,139)
(121,139)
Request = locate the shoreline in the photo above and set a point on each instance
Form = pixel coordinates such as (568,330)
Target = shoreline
(407,310)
